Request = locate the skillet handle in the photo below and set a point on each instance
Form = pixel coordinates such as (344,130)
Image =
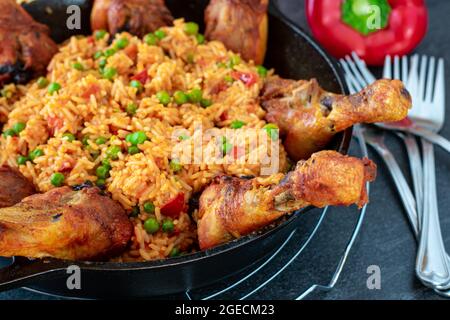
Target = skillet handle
(25,271)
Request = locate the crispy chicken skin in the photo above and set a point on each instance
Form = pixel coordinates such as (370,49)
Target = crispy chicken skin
(309,117)
(13,187)
(65,224)
(233,207)
(242,25)
(138,17)
(26,48)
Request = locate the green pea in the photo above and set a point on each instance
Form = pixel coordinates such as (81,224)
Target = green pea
(78,66)
(133,150)
(9,133)
(175,165)
(228,79)
(22,160)
(109,73)
(106,163)
(221,65)
(195,95)
(102,172)
(183,137)
(180,97)
(131,109)
(110,52)
(160,34)
(100,182)
(102,63)
(234,61)
(5,93)
(205,103)
(18,127)
(136,84)
(53,87)
(149,207)
(262,71)
(113,152)
(100,34)
(163,97)
(100,140)
(151,225)
(226,146)
(191,28)
(68,136)
(168,226)
(174,252)
(121,43)
(200,38)
(190,58)
(84,141)
(57,179)
(135,211)
(136,138)
(151,39)
(237,124)
(98,55)
(36,153)
(272,130)
(42,82)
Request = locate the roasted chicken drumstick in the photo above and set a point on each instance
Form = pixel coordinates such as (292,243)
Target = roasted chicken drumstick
(309,117)
(138,17)
(233,207)
(65,224)
(26,48)
(242,25)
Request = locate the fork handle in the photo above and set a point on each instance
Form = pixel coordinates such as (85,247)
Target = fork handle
(432,264)
(431,136)
(402,186)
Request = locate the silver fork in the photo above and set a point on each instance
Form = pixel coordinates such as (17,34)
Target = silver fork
(415,161)
(359,76)
(432,264)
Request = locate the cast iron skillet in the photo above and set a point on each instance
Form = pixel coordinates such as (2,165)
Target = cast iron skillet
(294,55)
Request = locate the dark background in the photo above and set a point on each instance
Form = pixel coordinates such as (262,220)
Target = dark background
(385,239)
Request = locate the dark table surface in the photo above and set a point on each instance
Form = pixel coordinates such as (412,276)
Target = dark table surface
(385,239)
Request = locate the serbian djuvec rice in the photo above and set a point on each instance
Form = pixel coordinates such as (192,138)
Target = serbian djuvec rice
(108,112)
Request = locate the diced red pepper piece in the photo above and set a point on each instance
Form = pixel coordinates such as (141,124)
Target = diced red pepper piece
(248,78)
(224,116)
(54,123)
(174,207)
(93,89)
(142,76)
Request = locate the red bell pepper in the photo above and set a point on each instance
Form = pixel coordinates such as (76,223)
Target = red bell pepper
(371,28)
(174,207)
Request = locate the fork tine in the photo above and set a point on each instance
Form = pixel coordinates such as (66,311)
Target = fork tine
(422,77)
(387,70)
(350,85)
(430,80)
(396,68)
(356,72)
(404,76)
(355,84)
(363,68)
(439,90)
